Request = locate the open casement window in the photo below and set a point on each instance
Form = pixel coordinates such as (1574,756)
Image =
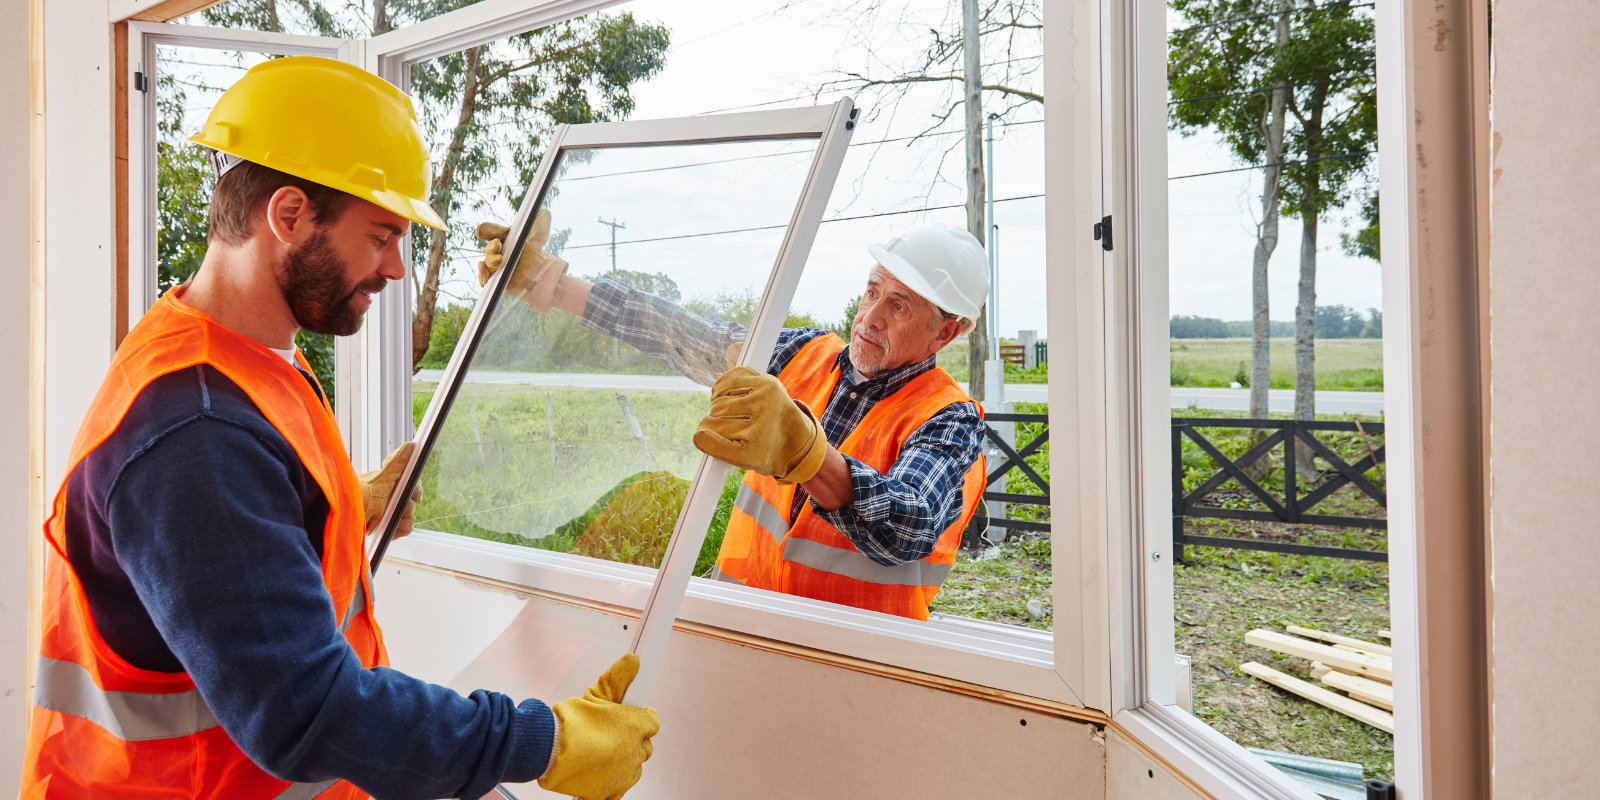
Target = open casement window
(558,441)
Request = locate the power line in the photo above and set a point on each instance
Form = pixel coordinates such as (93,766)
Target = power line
(1279,164)
(778,227)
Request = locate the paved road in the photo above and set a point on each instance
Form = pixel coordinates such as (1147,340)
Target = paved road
(1219,399)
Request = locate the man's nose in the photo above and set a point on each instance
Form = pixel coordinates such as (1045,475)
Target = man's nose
(392,267)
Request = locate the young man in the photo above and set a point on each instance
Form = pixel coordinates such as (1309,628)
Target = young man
(864,461)
(208,628)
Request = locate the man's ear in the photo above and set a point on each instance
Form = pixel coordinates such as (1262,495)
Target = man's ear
(289,215)
(948,331)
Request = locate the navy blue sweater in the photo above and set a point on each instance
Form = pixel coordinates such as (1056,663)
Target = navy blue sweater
(197,534)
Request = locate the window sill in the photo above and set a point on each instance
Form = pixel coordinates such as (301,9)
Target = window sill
(1001,657)
(1212,761)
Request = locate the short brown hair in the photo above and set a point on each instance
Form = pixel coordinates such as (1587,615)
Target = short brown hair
(243,191)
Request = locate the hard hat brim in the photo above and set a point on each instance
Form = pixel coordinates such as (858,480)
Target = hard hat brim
(913,280)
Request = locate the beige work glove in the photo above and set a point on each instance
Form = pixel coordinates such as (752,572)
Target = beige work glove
(377,485)
(755,426)
(534,281)
(601,745)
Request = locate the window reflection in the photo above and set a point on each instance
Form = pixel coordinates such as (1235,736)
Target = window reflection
(573,430)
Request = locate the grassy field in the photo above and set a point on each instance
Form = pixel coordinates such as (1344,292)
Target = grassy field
(1342,364)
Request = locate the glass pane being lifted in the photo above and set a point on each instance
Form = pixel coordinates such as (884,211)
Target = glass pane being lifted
(573,429)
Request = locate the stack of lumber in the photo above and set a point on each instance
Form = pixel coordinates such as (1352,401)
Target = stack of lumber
(1364,671)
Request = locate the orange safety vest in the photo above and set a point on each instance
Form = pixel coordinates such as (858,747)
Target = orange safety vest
(105,728)
(808,557)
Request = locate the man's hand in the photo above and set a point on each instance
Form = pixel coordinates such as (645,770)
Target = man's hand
(376,486)
(601,745)
(754,425)
(537,274)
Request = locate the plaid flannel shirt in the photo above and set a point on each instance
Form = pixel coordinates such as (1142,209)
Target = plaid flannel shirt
(896,517)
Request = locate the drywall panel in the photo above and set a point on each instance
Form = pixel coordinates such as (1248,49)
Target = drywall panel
(1132,775)
(80,281)
(1545,463)
(740,722)
(15,268)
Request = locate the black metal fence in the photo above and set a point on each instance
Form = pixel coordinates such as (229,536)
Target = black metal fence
(1291,506)
(1015,459)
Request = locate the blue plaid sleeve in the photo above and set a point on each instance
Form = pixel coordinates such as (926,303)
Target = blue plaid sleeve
(693,345)
(897,517)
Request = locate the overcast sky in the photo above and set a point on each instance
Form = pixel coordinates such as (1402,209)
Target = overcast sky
(758,54)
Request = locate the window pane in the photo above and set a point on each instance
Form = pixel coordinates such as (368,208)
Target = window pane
(573,431)
(1276,321)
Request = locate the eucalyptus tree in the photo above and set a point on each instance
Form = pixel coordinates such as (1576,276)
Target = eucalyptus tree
(1226,73)
(1331,60)
(1288,86)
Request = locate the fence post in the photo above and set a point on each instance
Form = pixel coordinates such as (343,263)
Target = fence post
(1030,355)
(1177,490)
(1291,494)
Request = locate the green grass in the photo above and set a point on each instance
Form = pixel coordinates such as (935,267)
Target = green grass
(1342,364)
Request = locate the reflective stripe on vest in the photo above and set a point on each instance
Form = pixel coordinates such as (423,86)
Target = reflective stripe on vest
(130,716)
(304,791)
(848,563)
(357,603)
(765,514)
(852,564)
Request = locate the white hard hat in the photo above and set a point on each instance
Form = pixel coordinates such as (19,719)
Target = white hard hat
(944,264)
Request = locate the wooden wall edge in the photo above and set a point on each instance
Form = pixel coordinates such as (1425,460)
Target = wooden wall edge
(172,9)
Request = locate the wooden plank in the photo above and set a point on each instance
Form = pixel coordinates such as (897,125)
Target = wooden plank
(1354,709)
(1386,634)
(1335,638)
(1319,669)
(1367,691)
(1314,651)
(1349,649)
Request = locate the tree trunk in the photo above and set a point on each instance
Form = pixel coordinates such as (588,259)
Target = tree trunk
(272,16)
(1266,242)
(978,339)
(380,17)
(1305,339)
(428,292)
(1305,312)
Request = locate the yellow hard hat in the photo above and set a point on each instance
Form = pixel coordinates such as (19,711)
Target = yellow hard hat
(331,123)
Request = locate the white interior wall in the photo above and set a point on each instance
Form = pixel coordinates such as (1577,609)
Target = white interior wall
(1545,461)
(741,722)
(15,269)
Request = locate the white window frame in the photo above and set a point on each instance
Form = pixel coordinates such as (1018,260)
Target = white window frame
(1111,648)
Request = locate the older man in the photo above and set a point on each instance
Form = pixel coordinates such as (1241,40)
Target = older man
(864,503)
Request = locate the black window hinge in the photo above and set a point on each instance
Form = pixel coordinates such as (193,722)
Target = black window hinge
(140,82)
(1102,232)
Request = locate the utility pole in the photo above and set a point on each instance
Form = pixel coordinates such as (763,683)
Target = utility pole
(615,226)
(994,262)
(972,87)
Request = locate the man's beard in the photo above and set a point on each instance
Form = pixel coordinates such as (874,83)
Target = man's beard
(313,282)
(859,356)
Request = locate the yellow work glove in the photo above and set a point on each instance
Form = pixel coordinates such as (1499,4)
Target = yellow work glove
(377,485)
(538,272)
(601,745)
(755,426)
